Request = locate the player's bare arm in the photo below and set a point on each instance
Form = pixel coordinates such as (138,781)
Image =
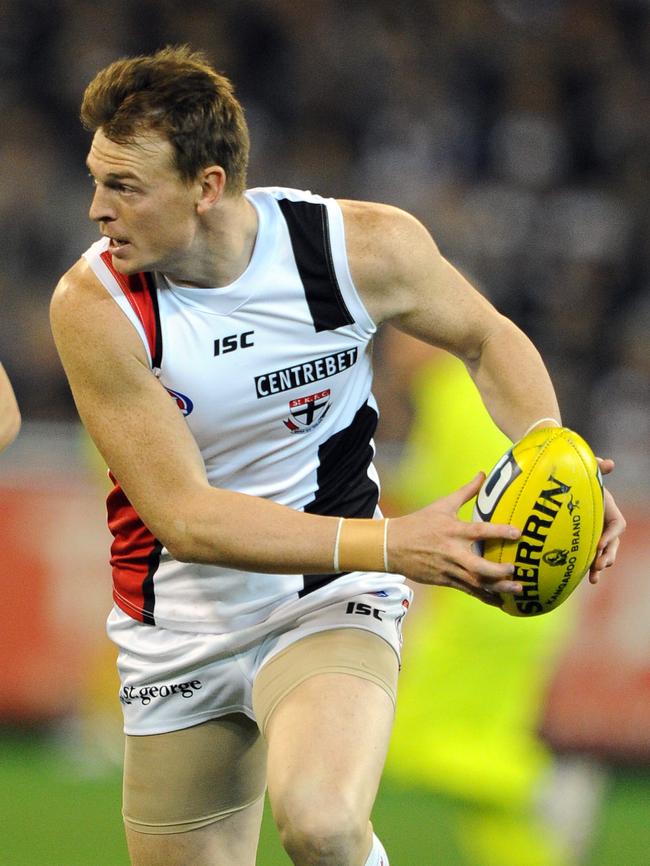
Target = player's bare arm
(150,450)
(405,280)
(9,411)
(144,439)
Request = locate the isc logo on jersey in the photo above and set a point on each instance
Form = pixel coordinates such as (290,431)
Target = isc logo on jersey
(549,486)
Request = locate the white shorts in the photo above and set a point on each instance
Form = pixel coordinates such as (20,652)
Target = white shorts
(172,680)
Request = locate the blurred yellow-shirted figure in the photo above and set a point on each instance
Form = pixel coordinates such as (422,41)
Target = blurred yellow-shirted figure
(472,677)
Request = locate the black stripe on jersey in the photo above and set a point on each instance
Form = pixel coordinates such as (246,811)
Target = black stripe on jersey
(148,594)
(344,488)
(156,360)
(310,238)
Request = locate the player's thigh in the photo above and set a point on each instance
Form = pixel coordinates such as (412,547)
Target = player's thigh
(197,790)
(231,841)
(327,736)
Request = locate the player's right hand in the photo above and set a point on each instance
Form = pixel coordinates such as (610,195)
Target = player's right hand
(433,546)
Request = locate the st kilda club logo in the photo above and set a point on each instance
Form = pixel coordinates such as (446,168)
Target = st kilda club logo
(305,413)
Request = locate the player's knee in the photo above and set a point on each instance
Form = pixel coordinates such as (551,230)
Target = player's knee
(322,834)
(321,846)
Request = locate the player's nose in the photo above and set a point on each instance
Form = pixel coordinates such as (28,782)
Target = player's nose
(100,207)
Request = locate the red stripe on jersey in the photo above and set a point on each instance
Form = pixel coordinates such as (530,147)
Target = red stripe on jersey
(136,291)
(135,556)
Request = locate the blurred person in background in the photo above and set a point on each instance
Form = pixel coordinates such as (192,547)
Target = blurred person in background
(472,683)
(9,411)
(217,633)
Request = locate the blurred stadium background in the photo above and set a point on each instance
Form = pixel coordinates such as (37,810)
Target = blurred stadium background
(518,131)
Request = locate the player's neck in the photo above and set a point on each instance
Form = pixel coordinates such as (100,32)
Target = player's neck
(222,249)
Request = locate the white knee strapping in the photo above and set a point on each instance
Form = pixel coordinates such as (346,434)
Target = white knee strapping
(378,856)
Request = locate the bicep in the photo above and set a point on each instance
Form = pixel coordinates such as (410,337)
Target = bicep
(445,310)
(403,279)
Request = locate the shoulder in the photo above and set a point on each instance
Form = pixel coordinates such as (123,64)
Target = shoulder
(85,318)
(390,254)
(77,287)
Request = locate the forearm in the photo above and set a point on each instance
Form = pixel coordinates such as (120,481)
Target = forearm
(513,381)
(430,546)
(222,527)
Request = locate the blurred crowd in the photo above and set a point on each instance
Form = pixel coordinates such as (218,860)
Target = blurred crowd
(517,130)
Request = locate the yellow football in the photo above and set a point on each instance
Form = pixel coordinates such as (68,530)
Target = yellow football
(549,486)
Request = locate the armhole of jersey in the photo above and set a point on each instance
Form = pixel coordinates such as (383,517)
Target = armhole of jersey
(136,296)
(316,231)
(342,268)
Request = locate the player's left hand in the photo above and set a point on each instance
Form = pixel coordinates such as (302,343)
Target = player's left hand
(613,528)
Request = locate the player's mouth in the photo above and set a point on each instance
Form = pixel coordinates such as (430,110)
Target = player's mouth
(118,245)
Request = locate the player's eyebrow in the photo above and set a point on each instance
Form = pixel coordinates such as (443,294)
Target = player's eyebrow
(122,175)
(116,175)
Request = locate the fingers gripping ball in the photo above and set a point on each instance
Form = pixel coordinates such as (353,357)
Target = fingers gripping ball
(549,486)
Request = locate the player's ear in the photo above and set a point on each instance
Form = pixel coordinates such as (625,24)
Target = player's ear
(212,182)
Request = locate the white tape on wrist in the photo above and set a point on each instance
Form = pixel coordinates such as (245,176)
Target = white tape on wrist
(361,545)
(386,543)
(337,544)
(556,423)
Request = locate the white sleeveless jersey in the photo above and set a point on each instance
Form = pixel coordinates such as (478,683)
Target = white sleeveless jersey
(273,375)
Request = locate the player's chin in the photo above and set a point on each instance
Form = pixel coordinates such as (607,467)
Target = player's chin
(129,263)
(124,263)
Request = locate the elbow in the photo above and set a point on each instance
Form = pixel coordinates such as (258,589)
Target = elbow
(181,549)
(194,548)
(183,545)
(184,523)
(501,339)
(177,520)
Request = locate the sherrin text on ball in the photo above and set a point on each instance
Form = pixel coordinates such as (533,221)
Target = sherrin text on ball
(549,486)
